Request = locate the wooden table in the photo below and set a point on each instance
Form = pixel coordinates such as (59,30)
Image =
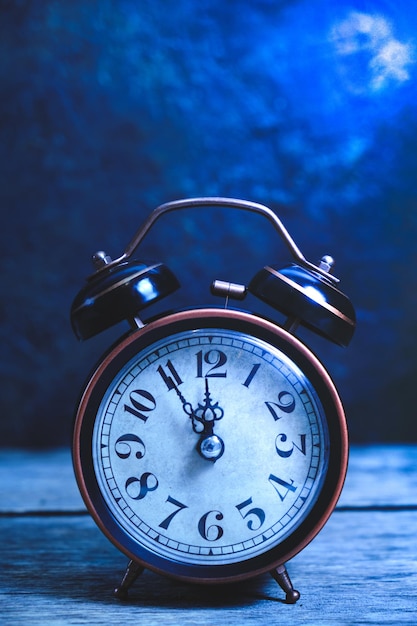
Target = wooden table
(57,568)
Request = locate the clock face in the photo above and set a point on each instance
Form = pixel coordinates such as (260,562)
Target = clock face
(205,447)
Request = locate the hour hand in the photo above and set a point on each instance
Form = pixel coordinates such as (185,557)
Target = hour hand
(209,446)
(188,409)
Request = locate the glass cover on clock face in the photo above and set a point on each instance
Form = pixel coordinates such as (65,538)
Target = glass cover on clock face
(209,447)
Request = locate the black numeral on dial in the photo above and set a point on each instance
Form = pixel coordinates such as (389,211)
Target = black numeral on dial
(210,532)
(179,507)
(127,444)
(256,515)
(141,403)
(282,487)
(216,359)
(285,404)
(283,451)
(173,379)
(138,488)
(251,375)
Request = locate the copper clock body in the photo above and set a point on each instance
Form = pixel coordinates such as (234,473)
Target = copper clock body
(147,445)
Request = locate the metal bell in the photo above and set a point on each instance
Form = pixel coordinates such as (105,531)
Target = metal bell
(309,298)
(118,293)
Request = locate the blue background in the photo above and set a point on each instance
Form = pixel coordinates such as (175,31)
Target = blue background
(109,109)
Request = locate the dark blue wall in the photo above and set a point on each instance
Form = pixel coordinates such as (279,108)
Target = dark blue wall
(110,108)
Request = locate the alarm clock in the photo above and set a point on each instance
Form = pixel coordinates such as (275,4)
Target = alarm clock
(210,444)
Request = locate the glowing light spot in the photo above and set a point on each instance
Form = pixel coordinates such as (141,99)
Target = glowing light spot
(372,58)
(314,294)
(146,289)
(390,62)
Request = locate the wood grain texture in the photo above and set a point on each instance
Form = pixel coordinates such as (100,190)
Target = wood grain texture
(57,568)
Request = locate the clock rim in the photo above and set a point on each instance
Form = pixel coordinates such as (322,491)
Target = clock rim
(230,319)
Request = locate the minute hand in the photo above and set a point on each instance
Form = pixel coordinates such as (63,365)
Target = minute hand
(204,416)
(208,413)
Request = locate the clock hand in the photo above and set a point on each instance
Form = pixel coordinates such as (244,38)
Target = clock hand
(188,409)
(209,412)
(209,446)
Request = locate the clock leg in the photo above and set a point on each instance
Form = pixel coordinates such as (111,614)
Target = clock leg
(133,570)
(280,574)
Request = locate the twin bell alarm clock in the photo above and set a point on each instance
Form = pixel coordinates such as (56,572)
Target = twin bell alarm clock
(210,444)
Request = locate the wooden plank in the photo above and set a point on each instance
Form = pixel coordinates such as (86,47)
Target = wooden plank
(361,569)
(381,475)
(38,480)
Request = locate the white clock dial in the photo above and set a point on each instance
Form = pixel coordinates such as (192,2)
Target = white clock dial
(210,447)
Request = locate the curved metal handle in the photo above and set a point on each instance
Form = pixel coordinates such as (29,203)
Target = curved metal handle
(232,203)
